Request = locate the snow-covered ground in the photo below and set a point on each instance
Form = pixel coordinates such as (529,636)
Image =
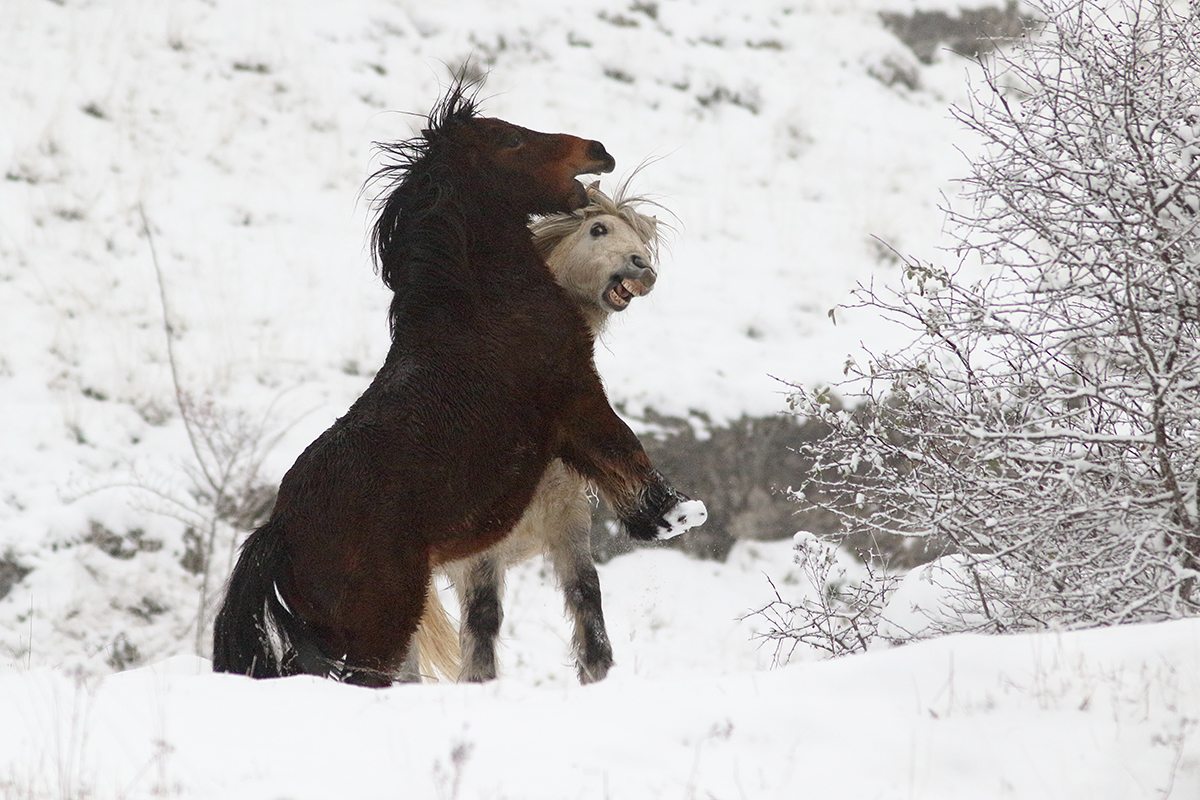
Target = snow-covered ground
(690,711)
(242,132)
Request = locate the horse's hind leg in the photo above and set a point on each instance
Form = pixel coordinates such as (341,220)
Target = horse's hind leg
(572,561)
(362,633)
(479,581)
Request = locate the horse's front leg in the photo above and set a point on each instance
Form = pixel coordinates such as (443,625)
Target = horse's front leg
(479,581)
(600,446)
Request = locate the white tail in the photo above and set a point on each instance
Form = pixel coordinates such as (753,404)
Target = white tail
(436,641)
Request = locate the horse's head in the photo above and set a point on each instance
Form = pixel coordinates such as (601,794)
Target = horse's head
(464,164)
(603,263)
(601,254)
(537,171)
(525,171)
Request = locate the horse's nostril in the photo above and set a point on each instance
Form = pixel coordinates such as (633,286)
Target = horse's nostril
(639,262)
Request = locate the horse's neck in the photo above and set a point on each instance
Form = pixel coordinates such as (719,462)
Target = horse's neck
(596,318)
(595,315)
(491,229)
(458,257)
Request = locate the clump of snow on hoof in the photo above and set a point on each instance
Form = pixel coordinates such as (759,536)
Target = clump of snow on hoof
(682,517)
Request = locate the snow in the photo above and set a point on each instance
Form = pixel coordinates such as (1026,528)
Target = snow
(239,134)
(1099,714)
(682,518)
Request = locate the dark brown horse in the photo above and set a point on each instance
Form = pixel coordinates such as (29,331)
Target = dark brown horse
(489,378)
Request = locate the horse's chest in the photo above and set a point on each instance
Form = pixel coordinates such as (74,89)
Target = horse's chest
(495,375)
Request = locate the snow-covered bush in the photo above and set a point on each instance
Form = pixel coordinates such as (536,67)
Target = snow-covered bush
(1046,418)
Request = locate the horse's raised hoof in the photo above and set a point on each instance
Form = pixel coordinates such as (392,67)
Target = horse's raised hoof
(682,518)
(665,515)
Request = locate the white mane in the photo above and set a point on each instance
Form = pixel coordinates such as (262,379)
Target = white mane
(549,232)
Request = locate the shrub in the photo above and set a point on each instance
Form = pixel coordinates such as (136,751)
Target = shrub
(1046,417)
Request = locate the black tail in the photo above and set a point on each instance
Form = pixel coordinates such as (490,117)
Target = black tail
(254,633)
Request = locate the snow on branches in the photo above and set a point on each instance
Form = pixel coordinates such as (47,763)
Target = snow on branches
(1046,418)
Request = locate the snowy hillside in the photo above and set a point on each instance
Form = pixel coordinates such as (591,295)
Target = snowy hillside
(243,133)
(784,137)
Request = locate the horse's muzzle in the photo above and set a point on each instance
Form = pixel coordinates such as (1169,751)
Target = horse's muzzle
(601,160)
(635,279)
(593,159)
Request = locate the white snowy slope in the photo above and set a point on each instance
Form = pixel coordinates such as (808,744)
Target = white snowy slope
(240,134)
(1100,715)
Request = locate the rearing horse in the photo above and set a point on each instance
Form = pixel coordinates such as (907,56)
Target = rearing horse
(489,378)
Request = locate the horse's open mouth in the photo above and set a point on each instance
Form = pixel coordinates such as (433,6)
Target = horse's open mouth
(622,291)
(581,198)
(597,161)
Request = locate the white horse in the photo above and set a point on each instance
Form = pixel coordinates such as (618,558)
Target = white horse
(603,255)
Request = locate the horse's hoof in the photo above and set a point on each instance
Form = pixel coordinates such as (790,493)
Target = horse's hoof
(594,672)
(681,518)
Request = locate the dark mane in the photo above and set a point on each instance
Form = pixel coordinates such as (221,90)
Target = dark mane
(412,188)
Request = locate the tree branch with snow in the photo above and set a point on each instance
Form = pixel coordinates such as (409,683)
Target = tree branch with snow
(1046,417)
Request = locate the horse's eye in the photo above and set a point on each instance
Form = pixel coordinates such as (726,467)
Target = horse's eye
(599,229)
(512,139)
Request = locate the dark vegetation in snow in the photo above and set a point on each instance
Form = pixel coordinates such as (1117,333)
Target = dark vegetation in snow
(11,573)
(971,33)
(742,472)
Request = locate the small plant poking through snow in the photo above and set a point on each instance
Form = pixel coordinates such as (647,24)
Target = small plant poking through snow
(227,496)
(448,780)
(844,615)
